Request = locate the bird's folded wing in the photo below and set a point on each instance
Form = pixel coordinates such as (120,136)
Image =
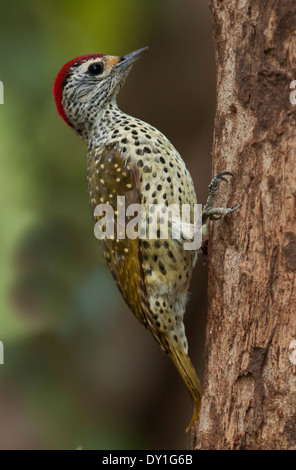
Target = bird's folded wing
(109,176)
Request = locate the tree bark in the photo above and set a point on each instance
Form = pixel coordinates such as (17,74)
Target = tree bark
(249,384)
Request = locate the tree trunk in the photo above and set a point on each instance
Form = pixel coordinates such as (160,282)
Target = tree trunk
(249,384)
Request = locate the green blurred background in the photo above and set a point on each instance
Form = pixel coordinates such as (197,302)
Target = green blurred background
(79,370)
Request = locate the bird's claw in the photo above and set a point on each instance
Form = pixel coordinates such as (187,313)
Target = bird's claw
(211,212)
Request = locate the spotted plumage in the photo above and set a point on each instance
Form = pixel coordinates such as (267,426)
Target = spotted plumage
(128,157)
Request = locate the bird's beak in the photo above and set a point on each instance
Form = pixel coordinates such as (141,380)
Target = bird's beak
(128,60)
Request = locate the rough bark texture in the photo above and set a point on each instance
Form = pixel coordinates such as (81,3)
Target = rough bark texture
(249,383)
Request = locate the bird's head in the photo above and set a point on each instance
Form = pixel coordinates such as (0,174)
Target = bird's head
(85,84)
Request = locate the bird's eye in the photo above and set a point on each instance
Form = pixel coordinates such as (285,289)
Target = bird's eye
(96,69)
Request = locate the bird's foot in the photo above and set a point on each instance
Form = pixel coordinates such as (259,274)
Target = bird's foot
(209,211)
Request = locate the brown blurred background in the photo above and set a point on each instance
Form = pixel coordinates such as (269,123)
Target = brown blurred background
(79,369)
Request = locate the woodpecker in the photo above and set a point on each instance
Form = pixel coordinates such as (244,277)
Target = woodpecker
(128,157)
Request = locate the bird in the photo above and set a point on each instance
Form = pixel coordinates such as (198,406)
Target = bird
(129,158)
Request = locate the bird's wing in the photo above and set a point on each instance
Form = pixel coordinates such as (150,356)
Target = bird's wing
(108,177)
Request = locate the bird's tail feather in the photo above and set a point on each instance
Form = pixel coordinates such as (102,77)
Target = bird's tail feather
(185,368)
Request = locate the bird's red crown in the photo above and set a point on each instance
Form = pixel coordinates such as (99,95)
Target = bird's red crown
(61,78)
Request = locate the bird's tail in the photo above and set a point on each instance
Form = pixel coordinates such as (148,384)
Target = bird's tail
(185,368)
